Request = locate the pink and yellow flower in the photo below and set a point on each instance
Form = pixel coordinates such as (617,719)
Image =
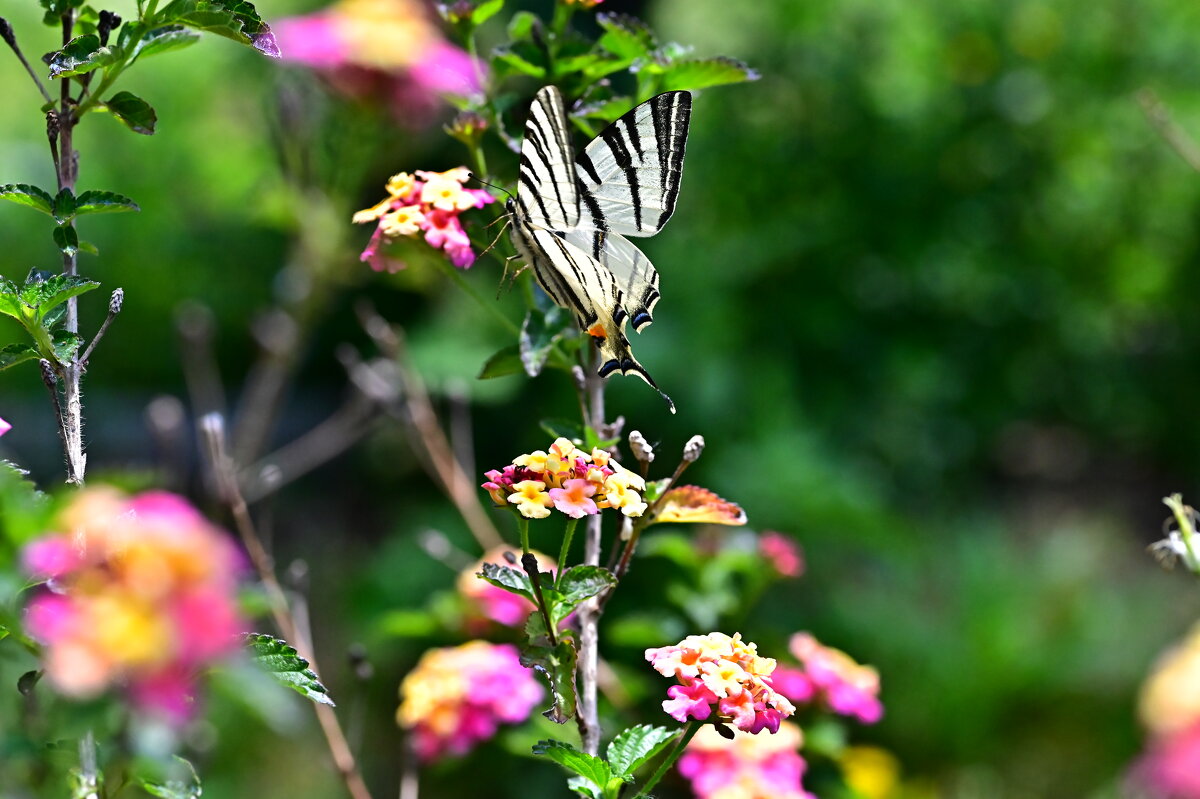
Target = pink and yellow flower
(724,673)
(389,51)
(412,208)
(747,767)
(831,677)
(568,479)
(140,593)
(1169,708)
(458,696)
(782,553)
(486,600)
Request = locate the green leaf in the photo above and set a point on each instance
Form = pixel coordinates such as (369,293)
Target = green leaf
(539,333)
(180,782)
(64,206)
(88,247)
(704,72)
(133,111)
(14,354)
(103,202)
(507,60)
(233,19)
(23,509)
(503,363)
(522,25)
(485,11)
(511,580)
(590,767)
(630,750)
(585,787)
(557,664)
(67,239)
(10,299)
(31,196)
(165,39)
(65,346)
(80,55)
(280,660)
(625,36)
(581,582)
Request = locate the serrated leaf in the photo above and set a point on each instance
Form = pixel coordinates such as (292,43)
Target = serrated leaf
(65,346)
(503,363)
(233,19)
(10,299)
(485,11)
(557,664)
(279,659)
(581,582)
(181,782)
(704,72)
(630,750)
(590,767)
(67,239)
(14,354)
(103,202)
(625,36)
(64,206)
(31,196)
(585,787)
(133,111)
(511,580)
(80,55)
(165,39)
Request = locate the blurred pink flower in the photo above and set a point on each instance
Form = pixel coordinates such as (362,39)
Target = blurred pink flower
(782,553)
(429,203)
(4,427)
(141,594)
(485,599)
(724,671)
(747,767)
(1170,767)
(386,50)
(830,676)
(458,696)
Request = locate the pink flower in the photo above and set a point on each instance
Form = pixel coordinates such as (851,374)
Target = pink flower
(486,600)
(141,595)
(4,427)
(575,498)
(388,51)
(458,696)
(1170,768)
(782,553)
(830,676)
(747,767)
(724,671)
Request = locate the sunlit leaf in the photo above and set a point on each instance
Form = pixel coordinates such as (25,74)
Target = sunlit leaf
(103,202)
(165,39)
(634,746)
(81,54)
(705,72)
(589,767)
(31,196)
(281,661)
(693,504)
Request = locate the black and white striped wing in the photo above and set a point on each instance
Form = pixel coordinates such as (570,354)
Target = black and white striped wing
(635,276)
(629,175)
(547,193)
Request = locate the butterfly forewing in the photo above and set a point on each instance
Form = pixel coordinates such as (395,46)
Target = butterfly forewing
(629,175)
(548,194)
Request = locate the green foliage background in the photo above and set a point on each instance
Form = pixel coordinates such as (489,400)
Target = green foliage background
(927,295)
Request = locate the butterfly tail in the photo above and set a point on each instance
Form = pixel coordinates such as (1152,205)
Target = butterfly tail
(618,357)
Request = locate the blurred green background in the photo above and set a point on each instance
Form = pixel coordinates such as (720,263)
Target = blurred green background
(928,295)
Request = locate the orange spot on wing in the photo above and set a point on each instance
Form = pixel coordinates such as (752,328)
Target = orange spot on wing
(597,330)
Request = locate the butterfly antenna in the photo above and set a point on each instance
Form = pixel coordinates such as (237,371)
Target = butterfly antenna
(493,185)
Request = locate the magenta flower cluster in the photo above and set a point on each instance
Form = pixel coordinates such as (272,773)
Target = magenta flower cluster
(830,677)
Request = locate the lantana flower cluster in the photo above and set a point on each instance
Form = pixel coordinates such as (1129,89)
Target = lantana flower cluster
(831,677)
(485,599)
(428,204)
(747,767)
(1170,710)
(722,673)
(4,427)
(140,593)
(458,696)
(569,480)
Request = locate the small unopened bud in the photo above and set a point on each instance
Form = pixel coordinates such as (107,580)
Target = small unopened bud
(642,451)
(108,21)
(116,301)
(48,375)
(467,127)
(6,33)
(692,450)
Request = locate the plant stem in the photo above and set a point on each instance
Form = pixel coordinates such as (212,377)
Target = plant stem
(453,273)
(565,549)
(589,611)
(665,766)
(523,531)
(11,39)
(529,562)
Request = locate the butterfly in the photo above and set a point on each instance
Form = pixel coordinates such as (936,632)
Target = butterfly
(571,215)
